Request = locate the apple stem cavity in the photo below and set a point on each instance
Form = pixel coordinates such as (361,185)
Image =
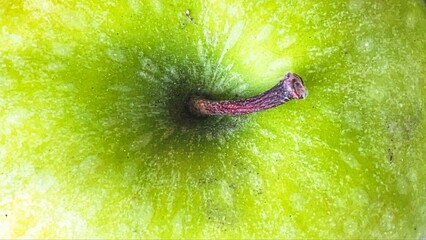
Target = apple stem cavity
(291,87)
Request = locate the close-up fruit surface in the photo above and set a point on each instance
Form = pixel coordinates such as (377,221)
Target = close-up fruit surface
(96,140)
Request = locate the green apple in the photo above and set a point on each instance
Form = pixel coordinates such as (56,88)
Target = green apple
(95,141)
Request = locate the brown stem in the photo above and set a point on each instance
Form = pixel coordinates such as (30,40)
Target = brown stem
(291,87)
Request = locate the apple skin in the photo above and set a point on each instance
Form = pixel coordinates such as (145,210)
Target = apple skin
(94,144)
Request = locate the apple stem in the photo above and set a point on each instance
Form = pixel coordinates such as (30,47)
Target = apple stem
(291,87)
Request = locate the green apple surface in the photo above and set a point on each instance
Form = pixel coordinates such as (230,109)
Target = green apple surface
(95,141)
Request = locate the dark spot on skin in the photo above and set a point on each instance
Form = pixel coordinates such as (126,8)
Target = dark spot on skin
(5,215)
(391,158)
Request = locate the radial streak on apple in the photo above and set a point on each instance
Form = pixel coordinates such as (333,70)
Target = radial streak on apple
(232,39)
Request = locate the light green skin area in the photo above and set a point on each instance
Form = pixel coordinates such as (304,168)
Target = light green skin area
(89,147)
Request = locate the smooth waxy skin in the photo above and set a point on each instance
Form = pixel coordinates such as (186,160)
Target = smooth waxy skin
(91,143)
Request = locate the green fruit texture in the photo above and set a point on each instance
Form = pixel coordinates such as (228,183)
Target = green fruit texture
(95,141)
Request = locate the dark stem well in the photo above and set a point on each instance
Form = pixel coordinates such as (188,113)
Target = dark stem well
(291,87)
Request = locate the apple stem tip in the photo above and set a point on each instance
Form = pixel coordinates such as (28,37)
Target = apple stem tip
(291,87)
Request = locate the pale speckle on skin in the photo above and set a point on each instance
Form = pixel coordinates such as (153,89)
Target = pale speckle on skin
(42,5)
(116,55)
(90,164)
(42,182)
(267,133)
(147,64)
(134,5)
(66,87)
(75,19)
(144,211)
(402,186)
(119,87)
(387,220)
(264,32)
(56,66)
(289,230)
(366,45)
(157,5)
(178,224)
(15,40)
(62,49)
(350,226)
(234,10)
(350,160)
(372,92)
(5,83)
(411,20)
(285,42)
(297,201)
(280,64)
(359,197)
(412,175)
(226,193)
(143,140)
(71,223)
(256,182)
(356,5)
(15,119)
